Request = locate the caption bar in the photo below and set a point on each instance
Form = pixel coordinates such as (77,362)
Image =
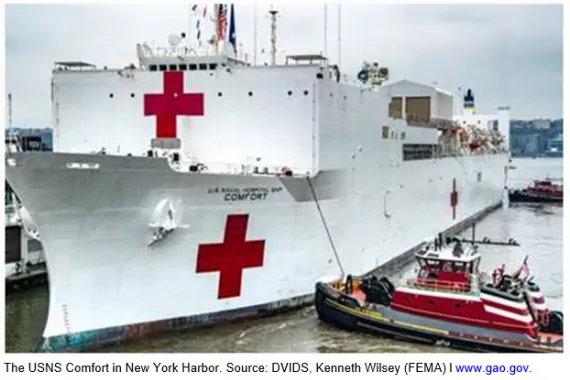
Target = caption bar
(408,368)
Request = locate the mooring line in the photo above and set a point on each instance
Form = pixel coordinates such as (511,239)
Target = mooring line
(326,227)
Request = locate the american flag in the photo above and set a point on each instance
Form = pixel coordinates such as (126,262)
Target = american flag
(222,21)
(523,269)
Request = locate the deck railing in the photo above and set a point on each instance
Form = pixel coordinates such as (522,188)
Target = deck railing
(439,285)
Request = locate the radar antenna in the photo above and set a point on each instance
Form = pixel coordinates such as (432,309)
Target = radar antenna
(273,15)
(174,40)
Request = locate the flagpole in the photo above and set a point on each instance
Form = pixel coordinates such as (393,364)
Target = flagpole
(216,21)
(325,32)
(190,21)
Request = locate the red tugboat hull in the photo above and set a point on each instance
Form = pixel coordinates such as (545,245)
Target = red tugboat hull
(539,192)
(344,311)
(449,303)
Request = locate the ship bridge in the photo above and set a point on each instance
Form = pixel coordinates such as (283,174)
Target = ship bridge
(183,58)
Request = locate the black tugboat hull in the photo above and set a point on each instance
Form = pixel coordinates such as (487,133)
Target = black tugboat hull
(521,197)
(339,310)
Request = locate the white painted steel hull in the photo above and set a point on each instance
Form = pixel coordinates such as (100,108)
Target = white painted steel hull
(106,284)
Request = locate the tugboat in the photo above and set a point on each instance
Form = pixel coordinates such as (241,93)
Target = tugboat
(543,191)
(450,303)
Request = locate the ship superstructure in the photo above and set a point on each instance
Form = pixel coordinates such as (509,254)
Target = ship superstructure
(195,188)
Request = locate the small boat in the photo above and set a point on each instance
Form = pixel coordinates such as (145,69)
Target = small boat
(449,303)
(544,191)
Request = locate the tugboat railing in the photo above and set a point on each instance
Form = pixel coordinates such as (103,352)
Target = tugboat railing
(439,285)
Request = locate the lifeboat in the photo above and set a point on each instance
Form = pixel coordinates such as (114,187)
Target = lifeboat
(449,302)
(544,191)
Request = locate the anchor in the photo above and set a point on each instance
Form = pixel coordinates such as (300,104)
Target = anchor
(162,230)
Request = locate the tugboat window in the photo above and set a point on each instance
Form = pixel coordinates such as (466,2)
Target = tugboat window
(203,66)
(152,67)
(192,66)
(458,267)
(162,67)
(172,67)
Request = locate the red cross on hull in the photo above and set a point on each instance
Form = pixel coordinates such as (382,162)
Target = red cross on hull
(454,198)
(231,256)
(171,104)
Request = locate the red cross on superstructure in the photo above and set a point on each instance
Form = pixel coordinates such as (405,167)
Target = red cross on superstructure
(454,197)
(231,256)
(172,103)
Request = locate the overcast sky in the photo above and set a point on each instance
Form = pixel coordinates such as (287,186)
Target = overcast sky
(509,55)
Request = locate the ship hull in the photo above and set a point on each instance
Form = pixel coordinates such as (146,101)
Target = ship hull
(107,285)
(344,312)
(523,197)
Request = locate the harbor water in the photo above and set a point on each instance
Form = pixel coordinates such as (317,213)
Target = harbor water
(537,227)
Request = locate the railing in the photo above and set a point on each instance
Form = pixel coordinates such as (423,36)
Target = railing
(438,285)
(238,169)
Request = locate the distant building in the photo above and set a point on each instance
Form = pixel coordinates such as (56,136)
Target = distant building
(541,123)
(32,138)
(555,146)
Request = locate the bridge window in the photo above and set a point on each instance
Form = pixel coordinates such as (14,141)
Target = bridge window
(153,67)
(418,151)
(203,66)
(183,67)
(192,66)
(172,67)
(162,67)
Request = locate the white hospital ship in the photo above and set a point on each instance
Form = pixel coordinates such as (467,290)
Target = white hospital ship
(196,188)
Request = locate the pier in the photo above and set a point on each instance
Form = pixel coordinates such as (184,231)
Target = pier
(35,275)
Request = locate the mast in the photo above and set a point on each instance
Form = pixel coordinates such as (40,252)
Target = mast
(325,32)
(339,51)
(273,15)
(255,34)
(10,111)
